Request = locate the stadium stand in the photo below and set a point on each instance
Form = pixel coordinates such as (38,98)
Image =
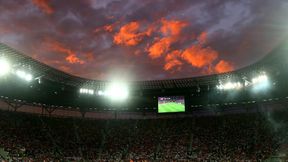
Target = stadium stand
(244,137)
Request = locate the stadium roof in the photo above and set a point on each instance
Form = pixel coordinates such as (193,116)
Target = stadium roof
(62,90)
(41,70)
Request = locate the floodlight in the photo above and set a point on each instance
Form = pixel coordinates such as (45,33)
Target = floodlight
(259,79)
(91,91)
(230,85)
(23,75)
(4,66)
(100,93)
(117,91)
(260,83)
(86,91)
(28,77)
(20,74)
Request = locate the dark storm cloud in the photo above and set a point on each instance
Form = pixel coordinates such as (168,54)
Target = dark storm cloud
(81,34)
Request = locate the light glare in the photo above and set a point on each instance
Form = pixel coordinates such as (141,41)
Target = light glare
(230,85)
(260,83)
(28,77)
(259,79)
(4,67)
(117,91)
(23,75)
(86,91)
(100,93)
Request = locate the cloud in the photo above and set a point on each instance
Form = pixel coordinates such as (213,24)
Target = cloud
(177,25)
(137,52)
(107,28)
(55,46)
(160,47)
(202,38)
(199,56)
(223,66)
(172,27)
(89,56)
(172,60)
(130,34)
(65,68)
(171,30)
(73,59)
(44,6)
(98,4)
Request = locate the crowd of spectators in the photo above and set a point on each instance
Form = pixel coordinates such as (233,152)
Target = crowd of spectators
(216,138)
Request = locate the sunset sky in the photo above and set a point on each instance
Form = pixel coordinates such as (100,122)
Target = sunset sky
(144,39)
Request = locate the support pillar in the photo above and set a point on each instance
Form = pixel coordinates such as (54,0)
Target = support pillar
(14,105)
(49,109)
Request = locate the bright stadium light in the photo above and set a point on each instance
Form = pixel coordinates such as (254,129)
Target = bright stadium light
(28,77)
(23,75)
(100,93)
(91,91)
(20,74)
(260,83)
(4,66)
(86,91)
(117,91)
(260,79)
(230,85)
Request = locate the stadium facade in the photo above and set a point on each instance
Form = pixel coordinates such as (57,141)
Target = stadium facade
(49,91)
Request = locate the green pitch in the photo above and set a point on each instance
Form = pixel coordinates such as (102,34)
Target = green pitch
(171,107)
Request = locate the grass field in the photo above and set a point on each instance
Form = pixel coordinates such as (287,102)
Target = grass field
(171,107)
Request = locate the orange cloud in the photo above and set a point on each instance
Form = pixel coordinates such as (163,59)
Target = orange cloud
(202,38)
(44,6)
(73,59)
(172,60)
(130,34)
(160,47)
(223,66)
(172,30)
(199,56)
(150,29)
(108,28)
(172,27)
(58,47)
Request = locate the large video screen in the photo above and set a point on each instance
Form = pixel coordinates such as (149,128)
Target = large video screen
(171,104)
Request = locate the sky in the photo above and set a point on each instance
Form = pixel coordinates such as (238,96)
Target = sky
(144,39)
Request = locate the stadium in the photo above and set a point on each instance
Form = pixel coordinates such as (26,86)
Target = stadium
(51,99)
(49,113)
